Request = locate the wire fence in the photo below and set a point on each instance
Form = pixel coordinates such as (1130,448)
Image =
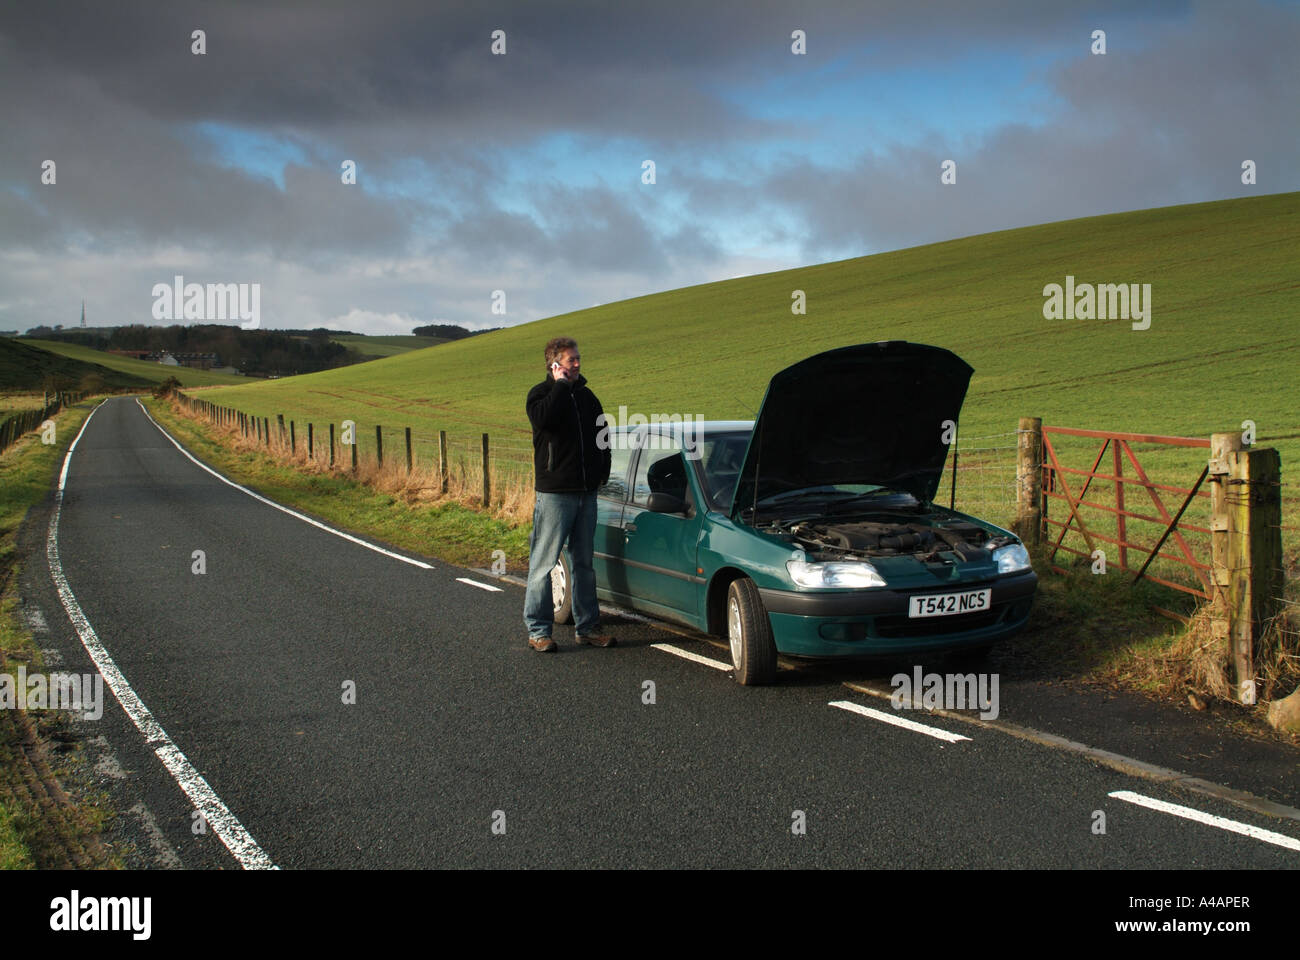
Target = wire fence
(983,481)
(13,428)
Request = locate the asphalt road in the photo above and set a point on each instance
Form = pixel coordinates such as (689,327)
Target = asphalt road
(457,728)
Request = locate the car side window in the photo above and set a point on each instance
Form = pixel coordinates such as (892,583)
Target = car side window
(660,471)
(616,488)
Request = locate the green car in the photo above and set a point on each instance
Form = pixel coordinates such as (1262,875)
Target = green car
(812,530)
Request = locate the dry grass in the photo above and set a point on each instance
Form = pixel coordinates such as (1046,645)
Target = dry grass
(511,494)
(1198,663)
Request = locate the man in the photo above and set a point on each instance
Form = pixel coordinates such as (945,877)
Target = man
(568,466)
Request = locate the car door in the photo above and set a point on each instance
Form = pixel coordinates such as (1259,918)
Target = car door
(607,553)
(659,549)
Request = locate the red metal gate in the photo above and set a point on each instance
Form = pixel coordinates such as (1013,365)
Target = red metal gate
(1057,485)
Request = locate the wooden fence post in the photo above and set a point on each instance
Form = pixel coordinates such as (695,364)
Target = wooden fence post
(379,444)
(1253,515)
(487,481)
(1225,550)
(1222,447)
(1030,501)
(409,462)
(311,442)
(442,458)
(331,445)
(293,439)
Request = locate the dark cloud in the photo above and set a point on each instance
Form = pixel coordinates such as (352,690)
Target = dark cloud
(439,217)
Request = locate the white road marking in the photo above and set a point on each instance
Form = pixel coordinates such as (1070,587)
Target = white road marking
(283,509)
(1209,819)
(898,721)
(35,621)
(687,655)
(218,816)
(481,586)
(167,858)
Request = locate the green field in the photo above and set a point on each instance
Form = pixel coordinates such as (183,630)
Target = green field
(16,402)
(385,346)
(27,368)
(145,371)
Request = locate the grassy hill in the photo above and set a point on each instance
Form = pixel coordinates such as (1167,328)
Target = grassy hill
(25,366)
(1222,346)
(144,371)
(387,346)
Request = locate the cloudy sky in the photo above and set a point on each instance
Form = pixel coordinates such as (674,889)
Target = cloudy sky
(525,171)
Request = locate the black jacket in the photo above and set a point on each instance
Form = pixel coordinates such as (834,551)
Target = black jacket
(566,458)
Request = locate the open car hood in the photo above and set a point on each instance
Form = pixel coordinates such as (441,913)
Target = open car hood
(867,414)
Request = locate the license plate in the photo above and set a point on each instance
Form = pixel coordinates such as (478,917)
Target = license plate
(949,604)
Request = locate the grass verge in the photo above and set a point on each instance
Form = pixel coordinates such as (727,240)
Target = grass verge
(1103,630)
(385,505)
(14,854)
(40,825)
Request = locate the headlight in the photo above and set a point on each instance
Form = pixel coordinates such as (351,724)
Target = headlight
(1012,558)
(859,574)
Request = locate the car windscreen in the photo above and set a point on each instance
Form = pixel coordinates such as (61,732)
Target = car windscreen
(721,457)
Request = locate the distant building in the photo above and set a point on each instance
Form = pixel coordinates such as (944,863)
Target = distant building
(199,361)
(8,333)
(135,354)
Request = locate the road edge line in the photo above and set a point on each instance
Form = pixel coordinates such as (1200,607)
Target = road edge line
(1116,761)
(225,824)
(279,506)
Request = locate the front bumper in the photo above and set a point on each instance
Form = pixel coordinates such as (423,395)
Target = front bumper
(869,622)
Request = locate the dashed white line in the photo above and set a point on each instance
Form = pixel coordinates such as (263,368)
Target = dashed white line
(1209,819)
(283,509)
(687,655)
(224,823)
(481,586)
(898,721)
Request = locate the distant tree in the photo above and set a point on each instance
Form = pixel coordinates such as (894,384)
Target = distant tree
(166,388)
(447,331)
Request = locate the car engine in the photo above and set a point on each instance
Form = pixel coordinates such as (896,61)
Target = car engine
(864,539)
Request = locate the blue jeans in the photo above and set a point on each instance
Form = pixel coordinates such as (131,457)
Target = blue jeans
(560,517)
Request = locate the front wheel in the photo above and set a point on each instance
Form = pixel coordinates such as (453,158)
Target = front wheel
(562,590)
(753,650)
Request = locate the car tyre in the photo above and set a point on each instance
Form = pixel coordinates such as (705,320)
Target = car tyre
(753,649)
(562,590)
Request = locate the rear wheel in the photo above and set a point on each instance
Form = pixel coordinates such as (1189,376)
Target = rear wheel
(753,650)
(562,590)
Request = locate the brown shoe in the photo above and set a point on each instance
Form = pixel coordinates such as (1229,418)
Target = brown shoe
(598,640)
(542,644)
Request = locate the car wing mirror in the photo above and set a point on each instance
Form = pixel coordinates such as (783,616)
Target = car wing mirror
(665,503)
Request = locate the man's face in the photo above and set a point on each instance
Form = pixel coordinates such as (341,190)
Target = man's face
(570,361)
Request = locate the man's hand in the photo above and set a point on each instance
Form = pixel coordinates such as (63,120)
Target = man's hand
(557,372)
